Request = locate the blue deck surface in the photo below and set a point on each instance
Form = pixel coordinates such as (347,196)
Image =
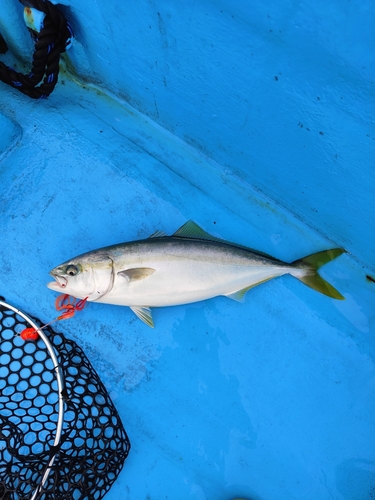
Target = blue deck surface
(272,399)
(267,399)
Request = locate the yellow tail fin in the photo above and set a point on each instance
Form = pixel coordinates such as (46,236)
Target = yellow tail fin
(313,279)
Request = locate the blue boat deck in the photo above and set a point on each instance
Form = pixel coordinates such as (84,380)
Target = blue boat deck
(270,399)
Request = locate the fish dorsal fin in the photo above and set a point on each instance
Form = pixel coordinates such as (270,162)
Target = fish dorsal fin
(191,230)
(158,234)
(144,313)
(136,273)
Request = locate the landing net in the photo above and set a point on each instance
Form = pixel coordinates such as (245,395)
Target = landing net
(61,437)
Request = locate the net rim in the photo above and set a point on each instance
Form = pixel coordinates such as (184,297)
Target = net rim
(60,383)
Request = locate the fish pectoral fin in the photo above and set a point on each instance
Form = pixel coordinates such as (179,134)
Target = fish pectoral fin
(143,313)
(136,273)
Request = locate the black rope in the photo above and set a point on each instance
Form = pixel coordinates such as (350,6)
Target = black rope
(50,42)
(3,45)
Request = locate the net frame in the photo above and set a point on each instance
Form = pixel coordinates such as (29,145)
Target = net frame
(60,384)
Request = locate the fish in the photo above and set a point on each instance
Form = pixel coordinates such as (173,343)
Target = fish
(189,266)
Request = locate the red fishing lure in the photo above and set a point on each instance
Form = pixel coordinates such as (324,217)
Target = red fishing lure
(69,305)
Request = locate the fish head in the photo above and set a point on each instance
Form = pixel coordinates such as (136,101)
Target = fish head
(84,276)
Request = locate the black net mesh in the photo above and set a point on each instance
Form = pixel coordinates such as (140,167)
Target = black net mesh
(93,444)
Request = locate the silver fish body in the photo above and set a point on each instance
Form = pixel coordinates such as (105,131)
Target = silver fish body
(164,270)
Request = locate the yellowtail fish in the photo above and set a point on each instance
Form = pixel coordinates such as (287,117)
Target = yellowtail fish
(189,266)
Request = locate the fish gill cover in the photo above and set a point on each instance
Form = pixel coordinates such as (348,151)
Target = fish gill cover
(93,445)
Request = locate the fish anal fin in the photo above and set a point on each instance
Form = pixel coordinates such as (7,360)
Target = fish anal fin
(136,273)
(144,313)
(239,295)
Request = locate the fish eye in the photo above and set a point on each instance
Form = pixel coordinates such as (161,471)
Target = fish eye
(71,270)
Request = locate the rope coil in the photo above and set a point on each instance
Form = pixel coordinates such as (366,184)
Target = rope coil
(53,39)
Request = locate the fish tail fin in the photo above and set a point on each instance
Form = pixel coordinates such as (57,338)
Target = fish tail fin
(312,263)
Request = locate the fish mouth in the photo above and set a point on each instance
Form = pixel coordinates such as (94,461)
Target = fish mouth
(59,283)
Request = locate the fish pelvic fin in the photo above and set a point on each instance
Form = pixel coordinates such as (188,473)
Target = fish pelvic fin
(144,314)
(312,278)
